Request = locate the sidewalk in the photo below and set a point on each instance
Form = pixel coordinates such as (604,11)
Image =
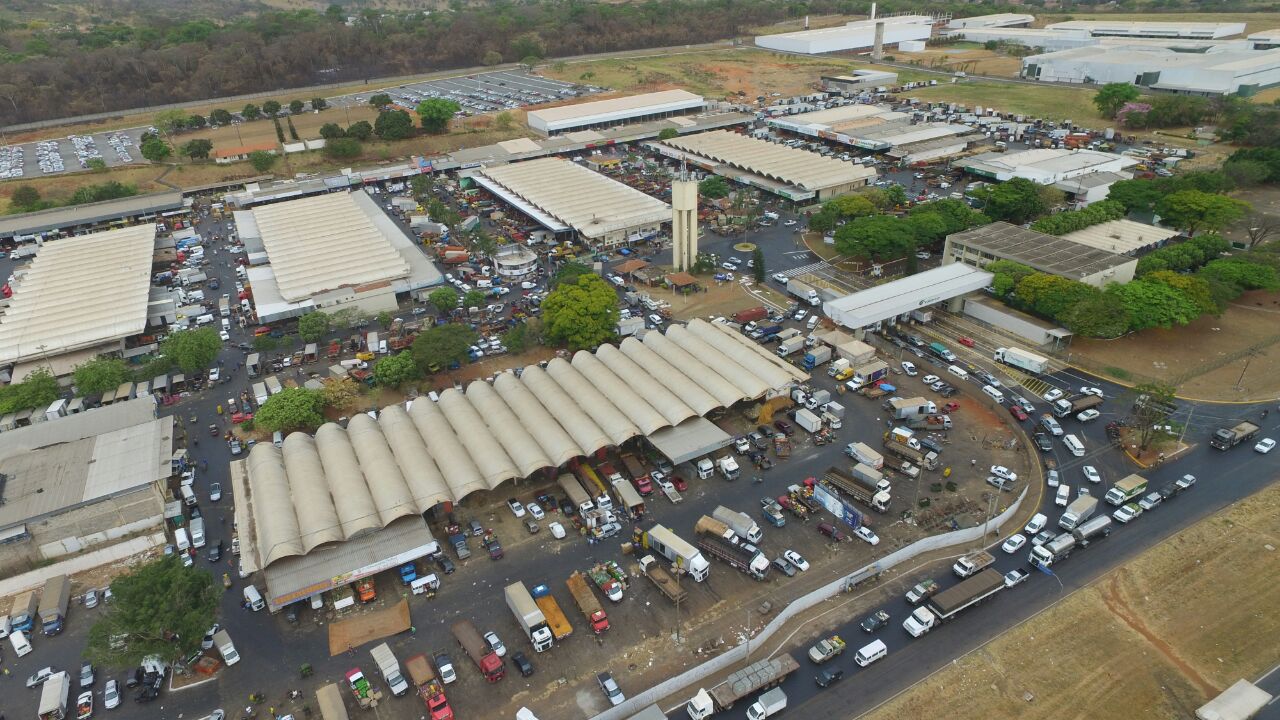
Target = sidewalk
(36,578)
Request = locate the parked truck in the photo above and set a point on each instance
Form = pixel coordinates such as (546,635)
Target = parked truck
(1053,551)
(826,649)
(1023,360)
(742,317)
(528,615)
(573,489)
(930,423)
(678,552)
(53,604)
(389,668)
(808,420)
(903,466)
(728,467)
(1090,530)
(559,624)
(429,688)
(910,408)
(867,373)
(609,578)
(768,705)
(772,512)
(919,456)
(656,573)
(1227,438)
(486,660)
(859,489)
(1080,509)
(22,616)
(588,605)
(718,541)
(972,564)
(802,291)
(789,346)
(53,697)
(226,648)
(739,522)
(1126,489)
(329,699)
(816,356)
(840,369)
(862,453)
(1080,403)
(947,604)
(742,683)
(941,351)
(639,475)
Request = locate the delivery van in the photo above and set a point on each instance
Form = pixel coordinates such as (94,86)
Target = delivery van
(1074,445)
(254,598)
(870,653)
(18,640)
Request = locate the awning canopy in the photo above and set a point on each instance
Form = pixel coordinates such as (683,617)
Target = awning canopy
(692,438)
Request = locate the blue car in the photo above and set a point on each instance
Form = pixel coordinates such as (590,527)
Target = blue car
(408,573)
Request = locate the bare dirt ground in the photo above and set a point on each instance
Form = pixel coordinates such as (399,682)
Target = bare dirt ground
(1154,639)
(1172,355)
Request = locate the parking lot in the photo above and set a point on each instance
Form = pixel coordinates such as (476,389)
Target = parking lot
(70,154)
(479,93)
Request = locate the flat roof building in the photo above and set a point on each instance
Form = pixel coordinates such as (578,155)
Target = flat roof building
(854,35)
(897,299)
(614,111)
(1110,28)
(1122,237)
(564,196)
(868,127)
(1045,166)
(991,21)
(859,81)
(1217,71)
(26,226)
(983,245)
(794,174)
(1266,40)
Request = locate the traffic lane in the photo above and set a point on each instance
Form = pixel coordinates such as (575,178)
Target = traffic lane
(911,659)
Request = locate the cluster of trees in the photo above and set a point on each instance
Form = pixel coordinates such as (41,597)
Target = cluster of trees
(1018,201)
(889,237)
(581,312)
(37,390)
(26,198)
(1255,166)
(1073,220)
(1240,121)
(1193,202)
(159,608)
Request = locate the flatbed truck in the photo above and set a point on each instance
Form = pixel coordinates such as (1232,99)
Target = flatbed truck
(666,584)
(858,489)
(760,675)
(588,605)
(1227,438)
(559,624)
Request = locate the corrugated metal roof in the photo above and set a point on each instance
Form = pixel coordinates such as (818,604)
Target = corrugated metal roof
(801,168)
(69,217)
(631,104)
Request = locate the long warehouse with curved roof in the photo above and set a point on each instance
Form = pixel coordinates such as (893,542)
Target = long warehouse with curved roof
(362,491)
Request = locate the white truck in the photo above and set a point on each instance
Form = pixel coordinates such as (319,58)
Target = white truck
(389,667)
(226,648)
(768,705)
(1022,360)
(728,467)
(197,532)
(1080,509)
(863,453)
(53,697)
(706,468)
(740,523)
(972,563)
(685,557)
(809,421)
(529,616)
(790,346)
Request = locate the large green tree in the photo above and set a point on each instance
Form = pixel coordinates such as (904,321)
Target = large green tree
(396,370)
(291,409)
(1113,96)
(1016,201)
(474,298)
(1102,315)
(343,148)
(439,347)
(757,264)
(445,300)
(1152,405)
(714,187)
(1154,304)
(157,608)
(156,150)
(380,100)
(1050,295)
(271,108)
(879,237)
(296,106)
(261,160)
(1007,275)
(1195,288)
(198,149)
(435,114)
(581,314)
(393,125)
(1193,210)
(1135,195)
(220,116)
(36,391)
(332,131)
(192,350)
(360,130)
(569,272)
(100,374)
(251,112)
(313,326)
(850,206)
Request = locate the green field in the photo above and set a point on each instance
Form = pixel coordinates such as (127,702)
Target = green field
(1045,101)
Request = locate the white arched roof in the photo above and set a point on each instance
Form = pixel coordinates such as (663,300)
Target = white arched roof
(751,386)
(459,470)
(585,432)
(542,426)
(318,520)
(725,392)
(416,464)
(757,364)
(386,483)
(793,372)
(504,426)
(347,483)
(588,397)
(492,460)
(623,397)
(635,377)
(278,534)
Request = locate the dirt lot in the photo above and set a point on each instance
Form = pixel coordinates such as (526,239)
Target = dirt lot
(1151,635)
(1194,350)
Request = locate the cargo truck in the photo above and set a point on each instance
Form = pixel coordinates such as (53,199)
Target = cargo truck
(528,615)
(389,668)
(862,453)
(640,476)
(486,660)
(764,333)
(588,605)
(728,467)
(816,356)
(252,365)
(909,408)
(1080,403)
(839,368)
(802,291)
(429,688)
(594,486)
(22,616)
(53,604)
(559,624)
(1021,359)
(930,423)
(1090,530)
(867,373)
(972,563)
(947,604)
(859,489)
(572,488)
(260,394)
(772,512)
(903,466)
(53,697)
(1227,438)
(678,552)
(768,705)
(1053,551)
(759,312)
(787,347)
(739,522)
(719,542)
(809,421)
(667,585)
(1080,509)
(1125,490)
(226,648)
(197,532)
(941,351)
(924,458)
(224,306)
(753,678)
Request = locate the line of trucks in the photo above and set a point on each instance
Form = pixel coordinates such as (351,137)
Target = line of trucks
(727,536)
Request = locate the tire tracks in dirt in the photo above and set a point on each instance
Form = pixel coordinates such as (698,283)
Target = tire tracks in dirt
(1113,598)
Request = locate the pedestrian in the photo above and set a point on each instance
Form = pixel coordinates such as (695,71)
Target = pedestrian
(973,463)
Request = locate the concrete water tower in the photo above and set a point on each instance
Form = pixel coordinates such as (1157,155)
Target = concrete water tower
(684,221)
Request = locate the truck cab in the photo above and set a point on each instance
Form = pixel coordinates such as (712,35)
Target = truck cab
(706,468)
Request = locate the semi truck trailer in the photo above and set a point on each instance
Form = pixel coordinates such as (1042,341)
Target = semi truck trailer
(1021,359)
(862,490)
(529,616)
(588,605)
(947,604)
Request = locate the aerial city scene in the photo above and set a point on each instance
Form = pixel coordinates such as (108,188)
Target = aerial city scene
(639,360)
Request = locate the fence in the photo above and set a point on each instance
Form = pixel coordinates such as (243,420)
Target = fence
(832,589)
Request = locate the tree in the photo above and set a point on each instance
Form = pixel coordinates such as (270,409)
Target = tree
(220,117)
(99,375)
(436,113)
(1193,210)
(714,187)
(1007,275)
(156,150)
(279,130)
(1152,404)
(503,120)
(1015,201)
(380,101)
(192,350)
(474,298)
(668,133)
(396,370)
(265,343)
(1113,96)
(96,164)
(1050,295)
(1135,195)
(340,394)
(385,318)
(342,148)
(528,46)
(851,206)
(1261,226)
(251,112)
(291,409)
(443,345)
(331,131)
(196,121)
(879,237)
(293,132)
(393,125)
(757,256)
(491,58)
(1154,304)
(569,272)
(158,608)
(170,121)
(523,336)
(445,300)
(198,149)
(1196,289)
(928,228)
(581,314)
(313,326)
(271,108)
(319,103)
(1241,274)
(262,160)
(25,197)
(360,130)
(296,107)
(1102,316)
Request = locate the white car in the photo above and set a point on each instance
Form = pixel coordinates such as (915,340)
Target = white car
(1015,577)
(909,368)
(789,223)
(1265,445)
(1052,478)
(1087,415)
(215,492)
(930,379)
(1014,543)
(728,266)
(1091,474)
(864,533)
(780,278)
(214,374)
(557,530)
(1036,524)
(535,510)
(1086,390)
(111,695)
(801,314)
(1003,472)
(491,639)
(526,285)
(516,508)
(91,599)
(1126,513)
(796,559)
(1063,497)
(224,335)
(1053,394)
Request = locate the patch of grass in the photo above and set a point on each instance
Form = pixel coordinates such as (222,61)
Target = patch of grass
(1118,373)
(1052,102)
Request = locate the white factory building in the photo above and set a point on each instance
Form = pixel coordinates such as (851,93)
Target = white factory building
(855,35)
(1218,71)
(878,128)
(991,21)
(1193,30)
(859,81)
(1268,40)
(1046,166)
(614,111)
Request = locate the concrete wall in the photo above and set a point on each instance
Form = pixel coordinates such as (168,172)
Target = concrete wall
(1008,319)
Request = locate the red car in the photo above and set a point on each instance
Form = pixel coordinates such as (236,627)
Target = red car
(1018,413)
(830,531)
(241,417)
(965,341)
(680,483)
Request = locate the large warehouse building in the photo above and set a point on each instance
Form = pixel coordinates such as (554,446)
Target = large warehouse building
(992,21)
(1046,166)
(877,128)
(387,473)
(1217,71)
(567,198)
(1109,28)
(328,252)
(794,174)
(82,480)
(78,298)
(854,35)
(615,111)
(984,245)
(896,300)
(28,227)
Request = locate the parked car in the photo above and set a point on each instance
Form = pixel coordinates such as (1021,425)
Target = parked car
(610,688)
(864,533)
(516,508)
(784,567)
(1014,543)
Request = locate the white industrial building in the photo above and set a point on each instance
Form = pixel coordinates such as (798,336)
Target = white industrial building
(515,262)
(1083,190)
(1049,40)
(1267,40)
(876,128)
(897,300)
(1122,237)
(328,252)
(859,81)
(325,510)
(991,21)
(566,198)
(855,35)
(1217,71)
(1046,166)
(1050,254)
(615,111)
(1193,30)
